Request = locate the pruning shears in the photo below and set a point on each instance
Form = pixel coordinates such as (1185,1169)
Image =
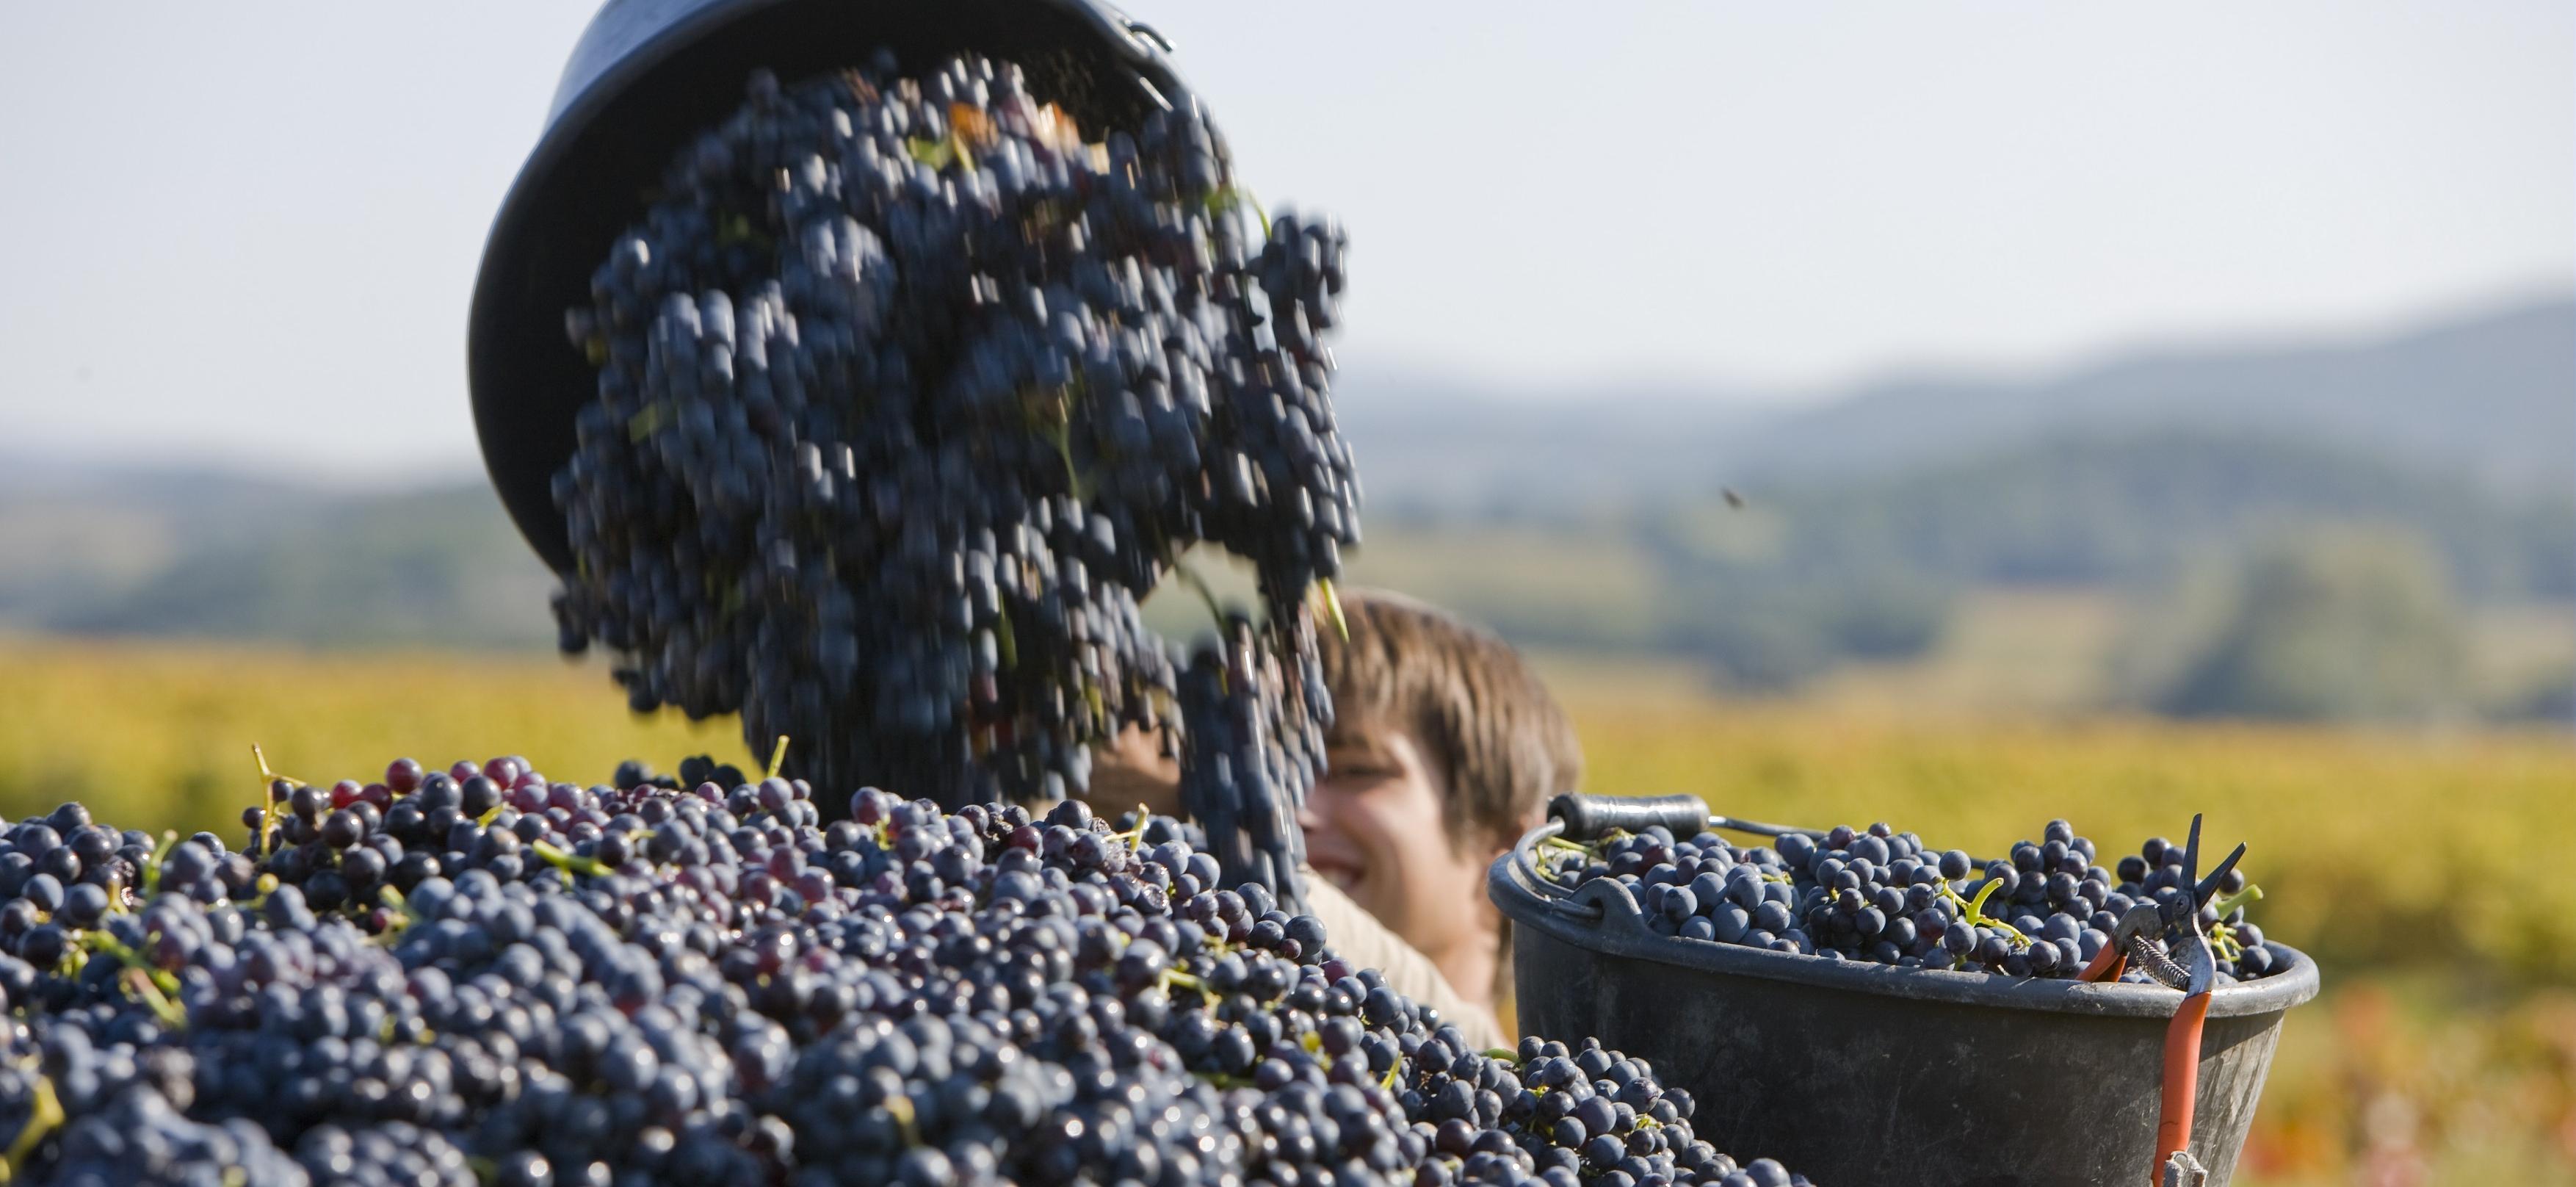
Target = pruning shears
(2165,942)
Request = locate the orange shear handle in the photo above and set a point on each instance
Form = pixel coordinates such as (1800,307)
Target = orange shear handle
(2182,1076)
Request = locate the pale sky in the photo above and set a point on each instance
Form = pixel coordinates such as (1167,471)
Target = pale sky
(247,232)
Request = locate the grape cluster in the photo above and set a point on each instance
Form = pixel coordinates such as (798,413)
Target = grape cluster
(1883,896)
(480,975)
(908,394)
(1250,753)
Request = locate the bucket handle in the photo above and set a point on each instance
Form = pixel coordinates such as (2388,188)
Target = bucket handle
(1604,901)
(1586,817)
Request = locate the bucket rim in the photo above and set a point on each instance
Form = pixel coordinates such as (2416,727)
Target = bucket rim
(1621,932)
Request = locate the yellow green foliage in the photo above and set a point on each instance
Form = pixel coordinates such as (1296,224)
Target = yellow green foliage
(157,736)
(2373,849)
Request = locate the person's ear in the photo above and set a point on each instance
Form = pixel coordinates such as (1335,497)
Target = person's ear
(1531,817)
(1512,830)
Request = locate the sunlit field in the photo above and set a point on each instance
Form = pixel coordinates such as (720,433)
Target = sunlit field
(2419,869)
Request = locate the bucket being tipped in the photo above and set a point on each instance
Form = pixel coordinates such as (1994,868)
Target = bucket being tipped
(645,77)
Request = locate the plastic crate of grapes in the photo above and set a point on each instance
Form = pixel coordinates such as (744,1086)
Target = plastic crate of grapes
(1864,1073)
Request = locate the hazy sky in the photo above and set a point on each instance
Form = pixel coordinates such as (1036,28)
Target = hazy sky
(250,229)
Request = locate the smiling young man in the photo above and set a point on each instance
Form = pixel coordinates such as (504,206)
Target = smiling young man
(1444,748)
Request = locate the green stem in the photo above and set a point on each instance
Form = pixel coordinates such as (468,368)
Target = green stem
(1236,197)
(2227,906)
(149,985)
(403,918)
(152,872)
(901,1108)
(1136,835)
(1063,434)
(1333,607)
(567,862)
(1975,915)
(139,982)
(644,424)
(267,802)
(41,1120)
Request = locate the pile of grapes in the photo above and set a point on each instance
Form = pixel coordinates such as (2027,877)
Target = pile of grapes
(908,393)
(480,976)
(1882,896)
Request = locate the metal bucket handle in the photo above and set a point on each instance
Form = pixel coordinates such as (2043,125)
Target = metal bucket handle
(1588,817)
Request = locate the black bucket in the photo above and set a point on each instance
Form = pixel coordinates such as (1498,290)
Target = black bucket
(645,77)
(1867,1075)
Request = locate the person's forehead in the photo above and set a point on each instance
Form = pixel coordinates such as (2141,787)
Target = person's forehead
(1367,732)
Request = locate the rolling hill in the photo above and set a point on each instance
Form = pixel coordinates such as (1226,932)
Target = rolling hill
(2489,395)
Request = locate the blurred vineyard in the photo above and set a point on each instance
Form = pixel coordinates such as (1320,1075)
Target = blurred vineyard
(2444,1051)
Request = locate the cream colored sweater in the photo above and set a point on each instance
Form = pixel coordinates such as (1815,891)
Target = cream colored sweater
(1359,938)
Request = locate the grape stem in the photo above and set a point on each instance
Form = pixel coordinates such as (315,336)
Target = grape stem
(570,864)
(2227,906)
(1062,432)
(101,942)
(1234,198)
(152,872)
(1333,607)
(146,983)
(2223,941)
(402,919)
(139,982)
(900,1107)
(935,153)
(267,801)
(1005,640)
(1973,912)
(267,884)
(41,1120)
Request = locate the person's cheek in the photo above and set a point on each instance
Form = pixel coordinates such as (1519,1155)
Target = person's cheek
(1410,822)
(1379,838)
(1328,810)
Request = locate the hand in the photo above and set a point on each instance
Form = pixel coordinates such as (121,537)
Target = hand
(1132,769)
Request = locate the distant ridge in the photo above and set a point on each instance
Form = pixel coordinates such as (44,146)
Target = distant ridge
(2488,395)
(2491,395)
